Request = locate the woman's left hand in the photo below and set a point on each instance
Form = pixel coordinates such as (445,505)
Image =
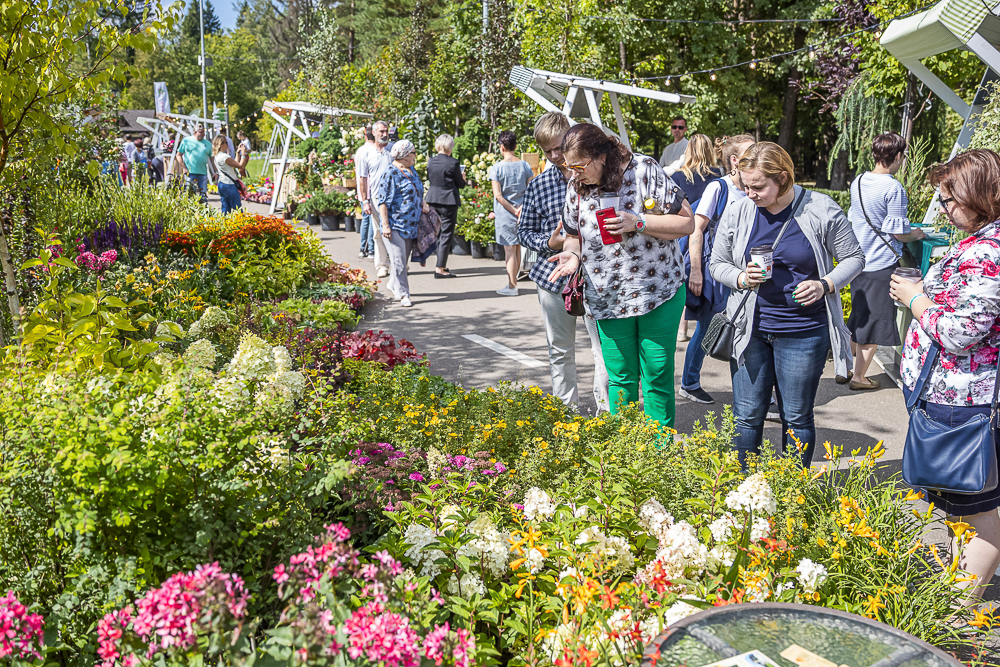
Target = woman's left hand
(623,224)
(903,290)
(809,292)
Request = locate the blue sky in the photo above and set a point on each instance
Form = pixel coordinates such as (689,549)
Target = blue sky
(226,12)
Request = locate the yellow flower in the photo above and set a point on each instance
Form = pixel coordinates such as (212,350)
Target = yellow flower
(872,605)
(801,499)
(820,542)
(913,495)
(983,619)
(959,528)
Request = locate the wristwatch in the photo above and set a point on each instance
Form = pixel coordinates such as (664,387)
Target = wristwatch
(828,286)
(640,224)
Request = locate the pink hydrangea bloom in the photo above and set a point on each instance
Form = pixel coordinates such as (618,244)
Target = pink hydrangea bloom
(383,637)
(21,634)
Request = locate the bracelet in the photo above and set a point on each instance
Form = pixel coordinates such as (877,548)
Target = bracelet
(577,256)
(914,299)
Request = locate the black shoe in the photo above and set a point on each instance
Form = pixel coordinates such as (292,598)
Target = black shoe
(444,275)
(698,395)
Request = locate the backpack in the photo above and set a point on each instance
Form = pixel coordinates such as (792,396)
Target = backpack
(697,302)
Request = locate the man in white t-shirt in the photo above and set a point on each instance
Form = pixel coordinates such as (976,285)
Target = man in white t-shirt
(673,155)
(370,170)
(360,158)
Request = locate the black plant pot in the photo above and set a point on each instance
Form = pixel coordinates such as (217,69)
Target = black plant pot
(312,219)
(349,223)
(477,250)
(330,223)
(498,253)
(460,245)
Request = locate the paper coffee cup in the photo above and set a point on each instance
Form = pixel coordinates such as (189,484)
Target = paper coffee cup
(763,256)
(609,202)
(907,273)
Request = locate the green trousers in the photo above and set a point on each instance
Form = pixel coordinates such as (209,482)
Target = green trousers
(643,347)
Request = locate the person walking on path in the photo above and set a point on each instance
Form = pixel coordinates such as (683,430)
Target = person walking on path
(793,313)
(635,286)
(367,230)
(673,155)
(400,195)
(706,297)
(878,216)
(953,342)
(370,172)
(229,191)
(244,144)
(510,179)
(540,228)
(193,159)
(446,180)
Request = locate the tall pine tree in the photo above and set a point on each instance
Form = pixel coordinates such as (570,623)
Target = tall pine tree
(191,27)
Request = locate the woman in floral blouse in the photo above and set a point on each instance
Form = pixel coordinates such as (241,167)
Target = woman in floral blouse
(957,309)
(634,287)
(402,197)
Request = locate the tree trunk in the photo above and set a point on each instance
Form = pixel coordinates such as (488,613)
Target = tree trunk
(623,56)
(838,181)
(907,128)
(10,287)
(786,131)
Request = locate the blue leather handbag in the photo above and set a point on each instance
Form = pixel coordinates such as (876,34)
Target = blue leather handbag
(954,459)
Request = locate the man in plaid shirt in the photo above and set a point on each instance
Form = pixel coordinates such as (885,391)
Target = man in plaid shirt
(540,228)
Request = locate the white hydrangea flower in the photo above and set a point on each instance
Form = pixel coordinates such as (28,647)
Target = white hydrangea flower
(164,358)
(163,330)
(721,555)
(651,627)
(753,495)
(420,536)
(253,359)
(470,584)
(436,460)
(535,560)
(282,360)
(760,529)
(555,640)
(230,392)
(613,549)
(811,575)
(723,529)
(679,552)
(213,320)
(492,544)
(201,354)
(537,503)
(679,610)
(654,518)
(282,391)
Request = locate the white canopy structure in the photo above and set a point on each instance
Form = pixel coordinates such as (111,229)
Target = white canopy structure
(562,92)
(948,25)
(288,115)
(182,126)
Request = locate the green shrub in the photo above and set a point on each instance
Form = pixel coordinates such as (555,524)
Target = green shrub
(327,313)
(842,197)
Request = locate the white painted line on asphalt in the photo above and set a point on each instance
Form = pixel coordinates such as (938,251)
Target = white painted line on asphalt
(519,357)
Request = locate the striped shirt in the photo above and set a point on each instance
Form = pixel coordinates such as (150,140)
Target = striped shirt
(885,202)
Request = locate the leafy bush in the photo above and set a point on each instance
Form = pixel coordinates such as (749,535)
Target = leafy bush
(842,197)
(355,296)
(475,216)
(475,138)
(324,313)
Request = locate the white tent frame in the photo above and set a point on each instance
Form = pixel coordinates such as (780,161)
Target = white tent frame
(561,93)
(948,25)
(297,113)
(182,126)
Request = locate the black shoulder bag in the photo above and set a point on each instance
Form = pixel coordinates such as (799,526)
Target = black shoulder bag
(907,258)
(718,342)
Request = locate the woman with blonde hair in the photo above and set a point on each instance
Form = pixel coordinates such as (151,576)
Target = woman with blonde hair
(775,249)
(229,189)
(699,168)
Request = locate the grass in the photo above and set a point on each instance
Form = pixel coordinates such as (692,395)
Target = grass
(254,169)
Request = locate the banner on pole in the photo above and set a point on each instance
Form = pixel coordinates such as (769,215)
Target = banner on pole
(161,96)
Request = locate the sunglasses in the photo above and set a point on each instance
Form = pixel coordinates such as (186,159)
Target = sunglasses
(945,201)
(678,127)
(578,168)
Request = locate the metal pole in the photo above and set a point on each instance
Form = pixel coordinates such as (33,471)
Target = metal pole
(225,101)
(486,21)
(204,85)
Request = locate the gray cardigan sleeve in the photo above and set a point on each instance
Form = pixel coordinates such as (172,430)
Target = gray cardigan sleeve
(723,265)
(843,245)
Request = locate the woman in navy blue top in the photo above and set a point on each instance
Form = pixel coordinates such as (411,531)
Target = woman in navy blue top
(795,316)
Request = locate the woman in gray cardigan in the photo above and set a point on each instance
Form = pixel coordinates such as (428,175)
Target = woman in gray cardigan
(794,315)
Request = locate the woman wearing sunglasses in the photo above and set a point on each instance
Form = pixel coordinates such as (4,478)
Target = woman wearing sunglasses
(622,218)
(956,318)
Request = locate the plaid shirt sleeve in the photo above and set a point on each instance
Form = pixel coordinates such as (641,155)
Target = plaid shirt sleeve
(540,213)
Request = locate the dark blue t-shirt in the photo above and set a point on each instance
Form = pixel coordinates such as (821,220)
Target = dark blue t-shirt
(794,262)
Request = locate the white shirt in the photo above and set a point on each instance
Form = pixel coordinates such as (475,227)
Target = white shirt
(361,166)
(710,198)
(372,166)
(227,174)
(673,156)
(885,203)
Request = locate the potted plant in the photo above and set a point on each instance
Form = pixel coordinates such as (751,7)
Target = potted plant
(349,179)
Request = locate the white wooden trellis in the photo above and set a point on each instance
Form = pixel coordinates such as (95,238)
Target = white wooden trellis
(562,93)
(182,126)
(288,115)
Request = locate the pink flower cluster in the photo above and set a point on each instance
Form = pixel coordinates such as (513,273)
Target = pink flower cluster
(97,264)
(332,557)
(384,637)
(21,633)
(173,615)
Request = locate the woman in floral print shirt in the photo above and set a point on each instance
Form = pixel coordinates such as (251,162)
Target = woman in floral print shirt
(957,308)
(635,287)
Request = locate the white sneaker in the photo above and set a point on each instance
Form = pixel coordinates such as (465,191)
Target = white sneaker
(382,272)
(362,254)
(405,302)
(507,291)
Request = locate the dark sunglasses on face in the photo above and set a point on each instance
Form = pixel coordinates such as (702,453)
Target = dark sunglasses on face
(678,127)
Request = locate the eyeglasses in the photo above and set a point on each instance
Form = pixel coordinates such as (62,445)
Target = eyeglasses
(945,201)
(678,127)
(578,168)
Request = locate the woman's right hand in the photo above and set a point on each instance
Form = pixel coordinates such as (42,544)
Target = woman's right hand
(753,276)
(568,264)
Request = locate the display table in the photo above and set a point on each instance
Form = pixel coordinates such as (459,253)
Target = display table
(836,638)
(924,249)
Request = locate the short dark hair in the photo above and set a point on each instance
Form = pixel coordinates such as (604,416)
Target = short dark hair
(590,142)
(508,140)
(677,118)
(972,178)
(886,147)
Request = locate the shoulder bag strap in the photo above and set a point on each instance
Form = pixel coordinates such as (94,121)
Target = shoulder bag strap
(925,373)
(868,220)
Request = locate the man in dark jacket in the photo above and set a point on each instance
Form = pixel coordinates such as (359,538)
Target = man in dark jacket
(446,179)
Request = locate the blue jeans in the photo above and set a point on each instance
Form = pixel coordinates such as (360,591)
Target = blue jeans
(792,361)
(230,196)
(695,356)
(200,181)
(367,235)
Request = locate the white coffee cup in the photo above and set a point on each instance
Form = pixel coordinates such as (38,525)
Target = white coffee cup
(763,256)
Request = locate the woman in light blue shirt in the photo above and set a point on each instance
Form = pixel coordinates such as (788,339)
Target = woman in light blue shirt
(510,179)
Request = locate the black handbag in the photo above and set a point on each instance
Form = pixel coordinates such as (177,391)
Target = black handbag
(955,459)
(573,294)
(720,336)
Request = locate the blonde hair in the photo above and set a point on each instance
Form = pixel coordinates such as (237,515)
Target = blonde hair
(219,143)
(550,127)
(728,147)
(772,161)
(444,144)
(699,157)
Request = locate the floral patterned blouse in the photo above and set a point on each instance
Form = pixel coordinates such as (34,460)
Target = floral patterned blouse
(635,276)
(964,321)
(403,196)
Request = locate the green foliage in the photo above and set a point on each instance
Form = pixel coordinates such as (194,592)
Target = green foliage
(861,117)
(842,197)
(475,139)
(326,313)
(987,134)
